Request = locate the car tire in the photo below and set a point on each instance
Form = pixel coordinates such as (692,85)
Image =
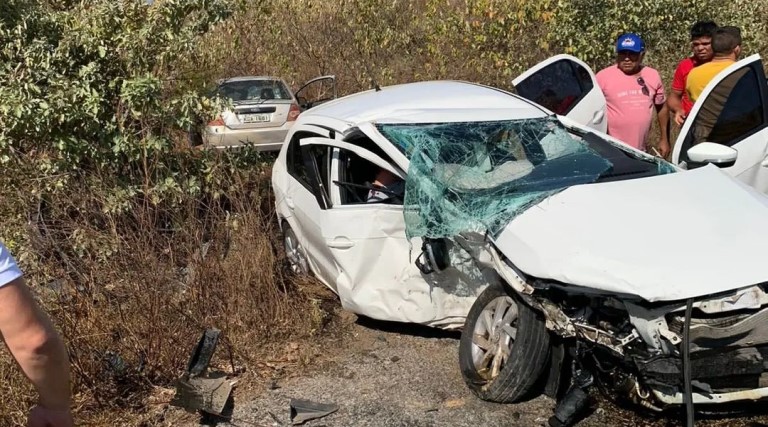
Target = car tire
(294,252)
(516,330)
(194,138)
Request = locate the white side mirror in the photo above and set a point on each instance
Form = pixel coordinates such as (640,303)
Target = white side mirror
(717,154)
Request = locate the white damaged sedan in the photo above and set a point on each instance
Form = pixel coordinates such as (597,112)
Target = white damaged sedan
(453,204)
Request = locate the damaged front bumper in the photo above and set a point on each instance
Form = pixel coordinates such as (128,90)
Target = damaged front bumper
(728,342)
(711,398)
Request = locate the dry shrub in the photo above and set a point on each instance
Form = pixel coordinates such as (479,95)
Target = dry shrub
(389,42)
(132,291)
(484,41)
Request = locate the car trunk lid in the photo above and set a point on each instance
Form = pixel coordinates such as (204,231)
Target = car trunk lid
(254,115)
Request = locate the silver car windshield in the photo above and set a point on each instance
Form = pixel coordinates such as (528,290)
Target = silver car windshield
(253,90)
(477,176)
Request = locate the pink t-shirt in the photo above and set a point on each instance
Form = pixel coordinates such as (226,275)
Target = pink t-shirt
(630,107)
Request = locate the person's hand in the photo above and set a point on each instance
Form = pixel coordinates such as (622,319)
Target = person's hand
(664,148)
(40,416)
(679,118)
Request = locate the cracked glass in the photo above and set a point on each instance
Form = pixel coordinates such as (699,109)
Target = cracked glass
(477,176)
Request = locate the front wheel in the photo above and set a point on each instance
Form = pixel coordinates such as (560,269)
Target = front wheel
(504,346)
(297,258)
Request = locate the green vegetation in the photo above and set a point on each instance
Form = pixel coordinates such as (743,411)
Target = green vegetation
(134,242)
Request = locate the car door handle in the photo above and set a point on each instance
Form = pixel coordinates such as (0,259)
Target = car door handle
(289,203)
(598,117)
(764,162)
(341,243)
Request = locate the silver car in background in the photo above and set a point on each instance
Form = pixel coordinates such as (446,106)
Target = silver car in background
(263,110)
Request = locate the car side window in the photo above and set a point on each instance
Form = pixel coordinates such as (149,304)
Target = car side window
(294,160)
(356,176)
(732,111)
(322,159)
(558,86)
(296,165)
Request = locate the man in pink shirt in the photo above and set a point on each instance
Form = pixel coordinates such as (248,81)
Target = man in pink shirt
(632,91)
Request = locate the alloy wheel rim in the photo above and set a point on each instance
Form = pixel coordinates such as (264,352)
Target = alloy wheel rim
(493,336)
(295,255)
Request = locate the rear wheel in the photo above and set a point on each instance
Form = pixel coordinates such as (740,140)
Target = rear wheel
(194,136)
(504,346)
(294,252)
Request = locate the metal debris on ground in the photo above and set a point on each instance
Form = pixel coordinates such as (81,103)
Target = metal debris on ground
(305,410)
(198,389)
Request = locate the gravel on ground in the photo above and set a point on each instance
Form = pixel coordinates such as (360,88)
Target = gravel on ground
(382,374)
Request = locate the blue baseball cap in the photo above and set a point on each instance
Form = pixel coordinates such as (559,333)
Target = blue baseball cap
(630,42)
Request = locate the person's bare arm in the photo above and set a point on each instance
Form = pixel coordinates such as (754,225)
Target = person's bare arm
(675,106)
(675,100)
(662,113)
(38,349)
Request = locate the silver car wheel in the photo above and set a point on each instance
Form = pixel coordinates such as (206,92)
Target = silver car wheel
(294,252)
(493,336)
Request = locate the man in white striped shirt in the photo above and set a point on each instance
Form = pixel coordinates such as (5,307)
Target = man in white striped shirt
(37,347)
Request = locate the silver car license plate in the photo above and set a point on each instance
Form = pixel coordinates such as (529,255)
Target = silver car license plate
(254,118)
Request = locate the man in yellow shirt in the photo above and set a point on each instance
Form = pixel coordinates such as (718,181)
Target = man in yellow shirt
(726,45)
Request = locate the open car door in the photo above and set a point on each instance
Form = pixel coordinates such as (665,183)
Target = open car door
(732,111)
(566,86)
(367,247)
(316,91)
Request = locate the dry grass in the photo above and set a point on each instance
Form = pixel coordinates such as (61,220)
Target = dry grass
(132,291)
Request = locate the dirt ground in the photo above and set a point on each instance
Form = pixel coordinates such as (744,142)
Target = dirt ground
(382,374)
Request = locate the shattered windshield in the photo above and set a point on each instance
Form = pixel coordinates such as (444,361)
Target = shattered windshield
(477,176)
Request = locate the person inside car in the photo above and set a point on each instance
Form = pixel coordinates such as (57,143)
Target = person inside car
(387,186)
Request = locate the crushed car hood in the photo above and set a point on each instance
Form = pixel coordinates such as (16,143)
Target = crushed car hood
(664,238)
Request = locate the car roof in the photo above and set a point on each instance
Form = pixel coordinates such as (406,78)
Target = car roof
(428,101)
(247,78)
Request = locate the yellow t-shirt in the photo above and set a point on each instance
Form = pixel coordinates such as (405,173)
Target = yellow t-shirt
(700,76)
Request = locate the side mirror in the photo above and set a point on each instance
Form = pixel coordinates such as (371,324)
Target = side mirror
(708,152)
(434,256)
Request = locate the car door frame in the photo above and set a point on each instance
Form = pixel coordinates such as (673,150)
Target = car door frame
(397,156)
(335,145)
(344,281)
(684,139)
(377,277)
(305,208)
(592,116)
(309,104)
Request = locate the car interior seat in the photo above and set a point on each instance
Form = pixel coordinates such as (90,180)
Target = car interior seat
(358,171)
(267,93)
